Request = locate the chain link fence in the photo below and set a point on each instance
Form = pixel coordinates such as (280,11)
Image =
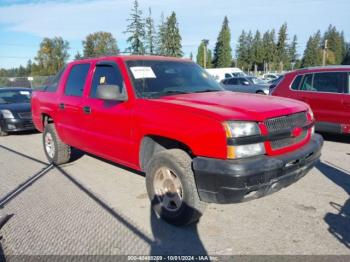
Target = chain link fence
(28,82)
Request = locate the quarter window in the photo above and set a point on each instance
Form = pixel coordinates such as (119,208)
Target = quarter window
(333,82)
(296,82)
(106,75)
(307,83)
(76,80)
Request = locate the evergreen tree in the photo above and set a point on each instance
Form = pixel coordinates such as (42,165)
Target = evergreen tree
(281,47)
(99,44)
(200,56)
(173,38)
(136,30)
(161,36)
(249,44)
(269,49)
(150,37)
(223,52)
(242,52)
(313,51)
(336,45)
(346,60)
(292,50)
(257,51)
(293,53)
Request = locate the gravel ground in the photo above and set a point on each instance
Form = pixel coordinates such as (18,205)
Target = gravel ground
(91,207)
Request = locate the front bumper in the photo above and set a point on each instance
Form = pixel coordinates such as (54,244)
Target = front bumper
(234,181)
(16,124)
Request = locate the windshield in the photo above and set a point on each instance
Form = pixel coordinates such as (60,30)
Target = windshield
(14,96)
(153,78)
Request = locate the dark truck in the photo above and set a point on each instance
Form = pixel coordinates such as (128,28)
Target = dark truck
(196,142)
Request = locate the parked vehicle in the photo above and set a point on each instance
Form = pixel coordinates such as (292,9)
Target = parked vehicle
(273,83)
(15,110)
(326,90)
(248,84)
(270,76)
(220,74)
(196,142)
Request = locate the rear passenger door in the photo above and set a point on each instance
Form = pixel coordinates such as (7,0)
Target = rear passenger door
(70,102)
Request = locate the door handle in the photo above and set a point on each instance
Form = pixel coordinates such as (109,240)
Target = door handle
(87,109)
(61,106)
(346,103)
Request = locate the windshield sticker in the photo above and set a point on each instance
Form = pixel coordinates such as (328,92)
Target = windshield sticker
(142,72)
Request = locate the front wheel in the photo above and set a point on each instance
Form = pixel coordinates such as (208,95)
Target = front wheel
(56,151)
(171,188)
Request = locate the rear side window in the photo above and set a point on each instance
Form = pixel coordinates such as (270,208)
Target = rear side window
(307,83)
(296,82)
(52,83)
(332,82)
(76,80)
(106,75)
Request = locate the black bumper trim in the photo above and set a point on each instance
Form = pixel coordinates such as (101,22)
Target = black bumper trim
(234,181)
(20,124)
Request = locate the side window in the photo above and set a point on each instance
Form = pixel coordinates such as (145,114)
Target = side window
(332,82)
(228,75)
(307,83)
(106,75)
(52,83)
(296,82)
(233,81)
(76,80)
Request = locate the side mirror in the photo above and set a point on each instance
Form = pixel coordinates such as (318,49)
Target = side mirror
(246,83)
(111,93)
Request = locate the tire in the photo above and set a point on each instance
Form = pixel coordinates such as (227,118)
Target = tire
(61,152)
(177,165)
(2,132)
(260,92)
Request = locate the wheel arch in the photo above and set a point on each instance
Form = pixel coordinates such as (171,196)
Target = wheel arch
(152,144)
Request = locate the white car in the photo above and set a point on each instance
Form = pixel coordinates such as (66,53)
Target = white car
(220,74)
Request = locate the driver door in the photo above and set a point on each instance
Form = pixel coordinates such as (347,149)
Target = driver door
(108,123)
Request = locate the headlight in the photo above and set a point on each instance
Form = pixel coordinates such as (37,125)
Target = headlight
(6,113)
(243,129)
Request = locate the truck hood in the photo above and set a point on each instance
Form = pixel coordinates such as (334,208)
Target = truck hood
(227,105)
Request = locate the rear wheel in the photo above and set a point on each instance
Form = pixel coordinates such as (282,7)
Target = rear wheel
(56,151)
(2,132)
(171,188)
(260,92)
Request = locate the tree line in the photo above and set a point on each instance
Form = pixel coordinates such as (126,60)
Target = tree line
(254,51)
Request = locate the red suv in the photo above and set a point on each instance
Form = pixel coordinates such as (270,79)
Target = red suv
(326,90)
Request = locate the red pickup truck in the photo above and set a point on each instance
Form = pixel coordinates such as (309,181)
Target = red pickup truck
(196,142)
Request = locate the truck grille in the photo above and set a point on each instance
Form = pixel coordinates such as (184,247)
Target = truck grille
(25,115)
(287,123)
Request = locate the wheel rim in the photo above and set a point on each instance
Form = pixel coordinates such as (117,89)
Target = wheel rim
(168,189)
(49,145)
